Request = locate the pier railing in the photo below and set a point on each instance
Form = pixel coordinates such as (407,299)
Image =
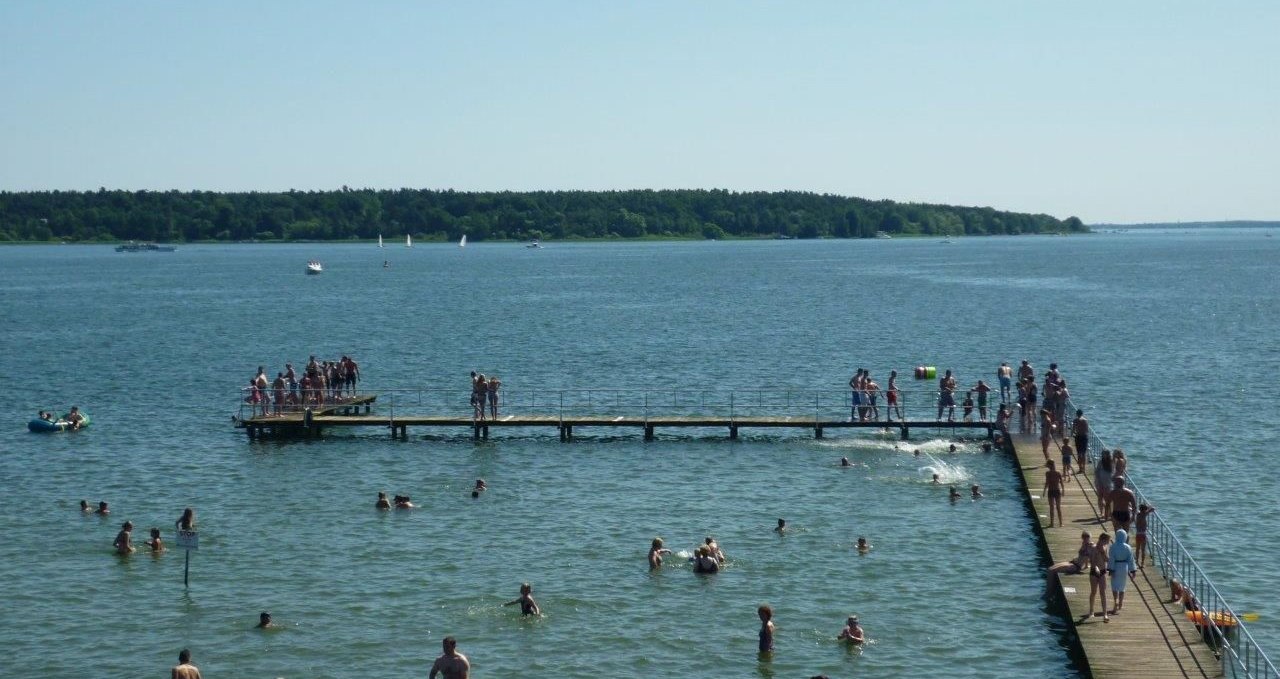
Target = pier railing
(1240,654)
(913,405)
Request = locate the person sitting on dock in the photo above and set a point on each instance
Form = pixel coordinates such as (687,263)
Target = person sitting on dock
(852,631)
(1054,489)
(382,502)
(1076,565)
(1002,418)
(1123,505)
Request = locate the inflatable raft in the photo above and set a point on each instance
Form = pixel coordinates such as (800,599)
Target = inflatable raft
(60,424)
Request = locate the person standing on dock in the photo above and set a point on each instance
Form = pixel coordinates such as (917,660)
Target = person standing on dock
(1080,432)
(1005,374)
(855,383)
(1046,430)
(1098,575)
(277,394)
(946,397)
(1121,567)
(1054,490)
(891,397)
(451,664)
(982,388)
(1123,504)
(491,390)
(1026,372)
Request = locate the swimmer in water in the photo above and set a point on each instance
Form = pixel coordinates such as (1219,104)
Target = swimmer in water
(656,552)
(951,448)
(264,621)
(782,527)
(863,545)
(475,494)
(955,494)
(766,629)
(704,562)
(916,452)
(480,486)
(527,605)
(155,543)
(102,509)
(382,502)
(84,506)
(852,631)
(976,491)
(986,446)
(402,502)
(124,539)
(714,548)
(844,462)
(937,481)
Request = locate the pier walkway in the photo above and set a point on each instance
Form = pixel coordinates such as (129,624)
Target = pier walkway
(645,410)
(1152,636)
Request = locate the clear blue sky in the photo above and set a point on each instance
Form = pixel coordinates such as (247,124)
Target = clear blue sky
(1111,111)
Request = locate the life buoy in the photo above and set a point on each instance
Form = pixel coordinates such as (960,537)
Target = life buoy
(926,372)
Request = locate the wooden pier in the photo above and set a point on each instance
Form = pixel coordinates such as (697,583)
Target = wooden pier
(314,423)
(1152,637)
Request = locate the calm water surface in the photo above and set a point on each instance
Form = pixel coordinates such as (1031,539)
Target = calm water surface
(1169,338)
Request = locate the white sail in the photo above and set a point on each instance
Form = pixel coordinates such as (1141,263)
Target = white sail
(463,243)
(408,241)
(379,240)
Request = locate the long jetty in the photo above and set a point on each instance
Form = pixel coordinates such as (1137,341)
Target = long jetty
(648,411)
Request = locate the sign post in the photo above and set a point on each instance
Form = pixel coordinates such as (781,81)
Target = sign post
(188,540)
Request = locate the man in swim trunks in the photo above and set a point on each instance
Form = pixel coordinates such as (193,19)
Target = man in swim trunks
(1123,504)
(451,664)
(124,539)
(1054,490)
(184,669)
(1005,374)
(946,397)
(891,396)
(855,383)
(1080,431)
(1026,372)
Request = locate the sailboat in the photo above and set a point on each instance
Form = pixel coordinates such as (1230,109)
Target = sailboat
(408,241)
(379,240)
(463,243)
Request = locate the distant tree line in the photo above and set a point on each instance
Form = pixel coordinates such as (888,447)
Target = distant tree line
(175,216)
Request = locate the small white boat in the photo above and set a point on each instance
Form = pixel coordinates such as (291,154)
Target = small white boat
(408,241)
(534,244)
(463,243)
(882,235)
(314,267)
(379,240)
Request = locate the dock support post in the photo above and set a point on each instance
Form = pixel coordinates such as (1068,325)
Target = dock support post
(817,432)
(568,432)
(475,432)
(249,430)
(733,432)
(404,432)
(648,432)
(906,433)
(484,433)
(308,421)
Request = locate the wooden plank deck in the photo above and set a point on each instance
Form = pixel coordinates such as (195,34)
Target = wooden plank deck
(1151,637)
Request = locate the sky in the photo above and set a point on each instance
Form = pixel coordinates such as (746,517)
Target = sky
(1114,112)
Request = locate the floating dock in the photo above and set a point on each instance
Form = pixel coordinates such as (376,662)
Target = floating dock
(1152,637)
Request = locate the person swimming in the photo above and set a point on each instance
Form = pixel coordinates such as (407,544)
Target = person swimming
(656,552)
(937,481)
(844,462)
(102,510)
(382,502)
(84,507)
(782,527)
(527,605)
(403,502)
(264,621)
(714,548)
(955,494)
(852,631)
(975,491)
(863,545)
(155,543)
(704,562)
(124,539)
(480,486)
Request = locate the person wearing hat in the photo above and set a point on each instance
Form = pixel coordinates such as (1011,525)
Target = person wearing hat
(852,631)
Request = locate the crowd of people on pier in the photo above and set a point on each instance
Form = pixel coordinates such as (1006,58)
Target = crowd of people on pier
(484,391)
(321,382)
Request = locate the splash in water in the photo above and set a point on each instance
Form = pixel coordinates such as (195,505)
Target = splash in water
(948,474)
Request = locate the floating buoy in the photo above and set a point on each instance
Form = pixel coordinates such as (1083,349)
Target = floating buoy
(926,372)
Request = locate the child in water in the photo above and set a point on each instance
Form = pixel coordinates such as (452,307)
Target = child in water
(155,543)
(656,551)
(852,631)
(527,605)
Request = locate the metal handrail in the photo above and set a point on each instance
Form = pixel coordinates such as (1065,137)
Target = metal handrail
(917,405)
(1242,658)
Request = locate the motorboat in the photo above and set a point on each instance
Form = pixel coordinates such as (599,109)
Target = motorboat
(534,244)
(144,247)
(314,267)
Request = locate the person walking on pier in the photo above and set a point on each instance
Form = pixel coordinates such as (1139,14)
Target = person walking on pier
(1080,432)
(1098,575)
(1005,374)
(1140,537)
(1121,567)
(1123,505)
(891,397)
(1046,430)
(1054,490)
(451,664)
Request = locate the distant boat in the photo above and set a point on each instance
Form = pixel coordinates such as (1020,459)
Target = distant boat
(534,244)
(408,241)
(946,241)
(144,247)
(314,267)
(379,240)
(881,234)
(463,243)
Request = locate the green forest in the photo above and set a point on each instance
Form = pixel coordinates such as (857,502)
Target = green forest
(351,214)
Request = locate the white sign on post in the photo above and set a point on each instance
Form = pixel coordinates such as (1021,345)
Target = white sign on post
(187,539)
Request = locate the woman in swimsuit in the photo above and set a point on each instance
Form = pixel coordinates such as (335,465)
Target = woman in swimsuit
(766,629)
(1098,575)
(1076,565)
(1140,541)
(491,388)
(1102,480)
(124,539)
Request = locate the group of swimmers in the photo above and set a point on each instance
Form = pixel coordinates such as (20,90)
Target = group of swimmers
(123,543)
(321,382)
(405,502)
(852,633)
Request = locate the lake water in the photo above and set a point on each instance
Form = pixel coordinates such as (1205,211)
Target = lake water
(1171,340)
